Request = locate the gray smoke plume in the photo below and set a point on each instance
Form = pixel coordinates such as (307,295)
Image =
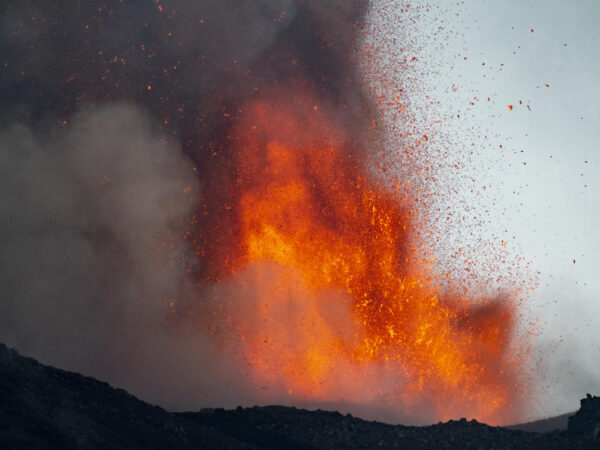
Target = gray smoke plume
(90,218)
(114,137)
(95,261)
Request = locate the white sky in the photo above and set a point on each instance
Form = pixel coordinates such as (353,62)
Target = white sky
(543,185)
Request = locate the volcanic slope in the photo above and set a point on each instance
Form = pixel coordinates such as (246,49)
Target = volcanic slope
(44,407)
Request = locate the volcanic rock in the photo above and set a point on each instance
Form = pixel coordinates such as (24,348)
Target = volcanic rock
(585,423)
(44,407)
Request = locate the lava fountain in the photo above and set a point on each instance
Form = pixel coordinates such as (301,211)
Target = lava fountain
(315,278)
(334,303)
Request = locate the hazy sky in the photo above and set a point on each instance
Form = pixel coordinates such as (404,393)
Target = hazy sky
(539,160)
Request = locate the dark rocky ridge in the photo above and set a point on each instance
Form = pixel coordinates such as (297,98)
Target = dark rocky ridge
(44,407)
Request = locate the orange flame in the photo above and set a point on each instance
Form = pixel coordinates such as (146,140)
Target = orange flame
(337,307)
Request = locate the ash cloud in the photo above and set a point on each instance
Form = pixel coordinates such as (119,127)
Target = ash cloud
(95,260)
(115,119)
(95,265)
(185,60)
(192,65)
(90,219)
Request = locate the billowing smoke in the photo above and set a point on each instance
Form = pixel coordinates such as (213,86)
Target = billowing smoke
(114,151)
(93,219)
(95,259)
(192,65)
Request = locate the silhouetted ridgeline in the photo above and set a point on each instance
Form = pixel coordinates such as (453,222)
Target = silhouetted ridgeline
(44,407)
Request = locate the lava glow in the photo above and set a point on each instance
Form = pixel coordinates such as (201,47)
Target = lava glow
(338,307)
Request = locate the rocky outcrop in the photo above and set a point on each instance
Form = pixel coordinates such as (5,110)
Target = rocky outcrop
(585,423)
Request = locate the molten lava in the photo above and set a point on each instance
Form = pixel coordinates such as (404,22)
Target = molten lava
(335,303)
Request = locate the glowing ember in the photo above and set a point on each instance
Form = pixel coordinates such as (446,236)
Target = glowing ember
(337,306)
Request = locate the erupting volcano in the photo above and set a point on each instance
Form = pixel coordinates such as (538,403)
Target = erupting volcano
(338,304)
(254,157)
